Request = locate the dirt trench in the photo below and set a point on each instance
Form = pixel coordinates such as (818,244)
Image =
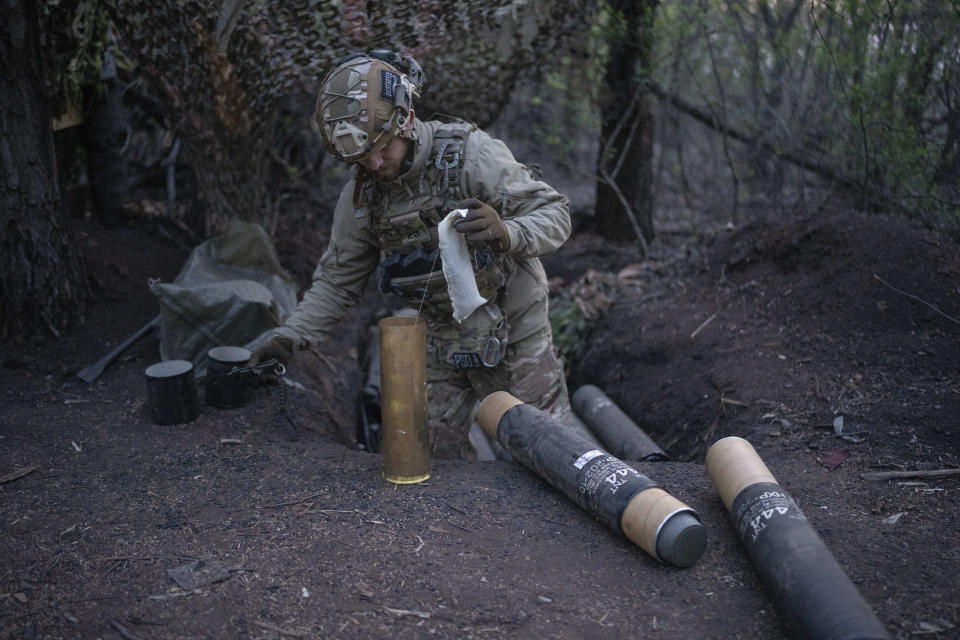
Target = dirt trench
(770,332)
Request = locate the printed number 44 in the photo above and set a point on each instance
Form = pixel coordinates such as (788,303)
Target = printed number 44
(618,478)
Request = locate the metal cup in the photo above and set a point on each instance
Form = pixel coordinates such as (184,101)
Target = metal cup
(225,391)
(172,392)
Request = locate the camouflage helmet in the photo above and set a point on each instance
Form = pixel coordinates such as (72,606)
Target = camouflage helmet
(365,100)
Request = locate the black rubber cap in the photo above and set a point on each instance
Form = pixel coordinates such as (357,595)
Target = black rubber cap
(682,540)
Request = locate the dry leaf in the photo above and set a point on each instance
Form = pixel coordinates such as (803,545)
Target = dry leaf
(834,459)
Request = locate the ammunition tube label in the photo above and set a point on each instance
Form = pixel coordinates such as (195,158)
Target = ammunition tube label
(812,594)
(597,481)
(759,505)
(607,484)
(587,457)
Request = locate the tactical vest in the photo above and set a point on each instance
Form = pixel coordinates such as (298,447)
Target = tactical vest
(402,218)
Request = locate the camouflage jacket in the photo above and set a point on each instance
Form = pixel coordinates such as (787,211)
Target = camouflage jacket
(536,215)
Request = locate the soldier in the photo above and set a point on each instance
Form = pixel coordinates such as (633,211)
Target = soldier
(407,175)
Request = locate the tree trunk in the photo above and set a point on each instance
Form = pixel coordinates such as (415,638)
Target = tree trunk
(43,284)
(625,161)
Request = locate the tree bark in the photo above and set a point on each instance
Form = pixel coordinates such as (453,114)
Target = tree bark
(624,202)
(43,284)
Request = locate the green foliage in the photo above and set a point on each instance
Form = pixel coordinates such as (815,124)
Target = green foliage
(576,309)
(560,110)
(874,59)
(75,35)
(571,329)
(567,94)
(864,89)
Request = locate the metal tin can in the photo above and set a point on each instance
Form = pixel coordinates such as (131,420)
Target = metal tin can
(222,390)
(172,392)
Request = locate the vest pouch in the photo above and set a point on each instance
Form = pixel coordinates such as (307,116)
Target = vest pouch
(405,224)
(426,293)
(410,276)
(479,341)
(399,273)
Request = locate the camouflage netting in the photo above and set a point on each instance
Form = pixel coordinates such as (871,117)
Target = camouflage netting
(224,68)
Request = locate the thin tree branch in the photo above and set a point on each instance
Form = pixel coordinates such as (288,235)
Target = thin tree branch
(715,123)
(627,210)
(634,124)
(610,180)
(920,300)
(616,131)
(726,142)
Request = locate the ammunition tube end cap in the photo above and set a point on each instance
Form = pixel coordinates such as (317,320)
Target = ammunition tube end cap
(682,540)
(492,409)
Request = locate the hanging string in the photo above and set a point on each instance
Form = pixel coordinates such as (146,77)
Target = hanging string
(426,287)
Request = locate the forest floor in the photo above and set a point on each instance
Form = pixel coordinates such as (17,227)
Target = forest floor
(276,526)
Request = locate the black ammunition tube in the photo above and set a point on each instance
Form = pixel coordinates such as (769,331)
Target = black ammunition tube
(813,595)
(618,495)
(619,434)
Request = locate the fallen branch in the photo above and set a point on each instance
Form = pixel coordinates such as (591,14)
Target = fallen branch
(739,403)
(116,565)
(460,526)
(15,475)
(122,630)
(888,475)
(291,633)
(702,326)
(920,300)
(287,504)
(174,594)
(407,612)
(157,495)
(162,557)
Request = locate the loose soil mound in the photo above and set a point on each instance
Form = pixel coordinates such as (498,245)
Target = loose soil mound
(261,523)
(779,328)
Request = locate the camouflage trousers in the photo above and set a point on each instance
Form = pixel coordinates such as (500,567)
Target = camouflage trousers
(530,370)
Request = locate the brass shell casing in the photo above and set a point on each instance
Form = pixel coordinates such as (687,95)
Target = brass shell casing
(403,385)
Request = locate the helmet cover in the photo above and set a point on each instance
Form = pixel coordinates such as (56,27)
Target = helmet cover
(365,101)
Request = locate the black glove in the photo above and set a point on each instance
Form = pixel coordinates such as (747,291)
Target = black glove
(482,224)
(276,348)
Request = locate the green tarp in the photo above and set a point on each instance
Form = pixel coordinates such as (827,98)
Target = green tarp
(230,291)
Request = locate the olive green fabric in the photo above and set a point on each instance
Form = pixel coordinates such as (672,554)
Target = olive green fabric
(231,290)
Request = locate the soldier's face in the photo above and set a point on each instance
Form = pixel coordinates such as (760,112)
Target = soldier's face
(385,163)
